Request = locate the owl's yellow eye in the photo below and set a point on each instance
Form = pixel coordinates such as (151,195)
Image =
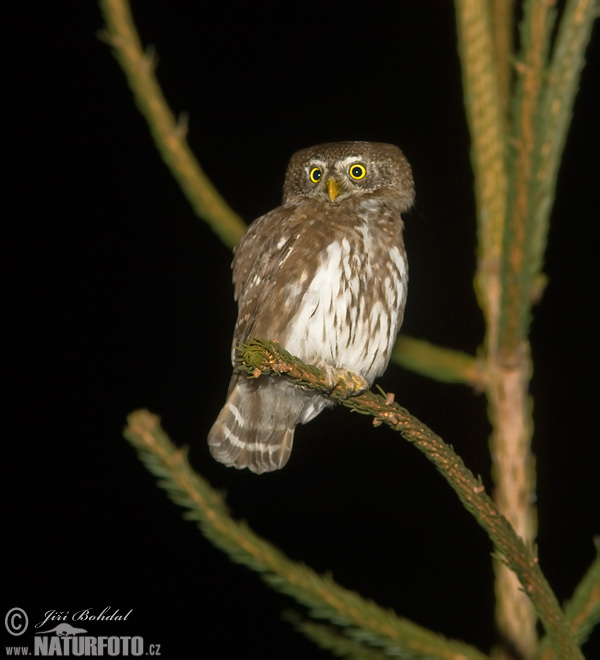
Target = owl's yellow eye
(315,174)
(357,171)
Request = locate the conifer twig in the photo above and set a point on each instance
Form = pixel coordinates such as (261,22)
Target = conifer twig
(488,151)
(582,611)
(443,364)
(502,22)
(555,110)
(358,618)
(330,639)
(516,274)
(260,357)
(169,133)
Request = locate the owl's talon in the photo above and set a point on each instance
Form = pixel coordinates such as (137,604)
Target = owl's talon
(352,382)
(330,374)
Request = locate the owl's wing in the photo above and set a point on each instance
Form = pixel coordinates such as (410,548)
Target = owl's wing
(257,275)
(257,252)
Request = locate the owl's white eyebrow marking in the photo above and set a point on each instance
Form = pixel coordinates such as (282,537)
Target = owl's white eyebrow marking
(349,159)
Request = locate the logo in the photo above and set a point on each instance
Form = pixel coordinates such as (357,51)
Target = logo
(59,637)
(63,630)
(16,621)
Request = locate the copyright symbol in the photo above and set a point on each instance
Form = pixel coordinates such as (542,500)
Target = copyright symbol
(16,621)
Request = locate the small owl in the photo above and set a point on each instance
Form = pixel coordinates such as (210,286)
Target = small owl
(324,275)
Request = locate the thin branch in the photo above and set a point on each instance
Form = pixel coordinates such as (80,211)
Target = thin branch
(582,611)
(441,364)
(502,27)
(330,639)
(556,106)
(169,133)
(261,357)
(488,150)
(359,618)
(516,271)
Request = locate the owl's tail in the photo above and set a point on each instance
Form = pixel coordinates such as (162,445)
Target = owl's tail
(255,428)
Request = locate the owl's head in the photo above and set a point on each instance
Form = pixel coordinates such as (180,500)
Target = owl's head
(338,171)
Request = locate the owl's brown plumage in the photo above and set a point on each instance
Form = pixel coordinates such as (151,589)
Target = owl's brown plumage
(324,275)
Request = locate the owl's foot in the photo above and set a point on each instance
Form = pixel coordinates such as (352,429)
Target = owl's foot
(349,382)
(352,382)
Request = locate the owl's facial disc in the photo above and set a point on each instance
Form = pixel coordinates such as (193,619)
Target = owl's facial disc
(337,179)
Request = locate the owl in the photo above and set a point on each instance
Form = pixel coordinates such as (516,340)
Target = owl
(324,275)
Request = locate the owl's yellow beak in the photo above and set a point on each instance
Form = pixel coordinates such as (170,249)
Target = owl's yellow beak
(332,188)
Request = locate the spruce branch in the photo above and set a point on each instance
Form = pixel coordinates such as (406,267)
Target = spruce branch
(330,639)
(547,83)
(502,20)
(360,619)
(515,162)
(260,357)
(488,150)
(169,133)
(555,110)
(443,364)
(516,274)
(582,611)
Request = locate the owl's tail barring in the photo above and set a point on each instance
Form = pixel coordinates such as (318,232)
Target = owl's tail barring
(255,428)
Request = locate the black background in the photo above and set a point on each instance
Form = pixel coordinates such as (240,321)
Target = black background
(118,297)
